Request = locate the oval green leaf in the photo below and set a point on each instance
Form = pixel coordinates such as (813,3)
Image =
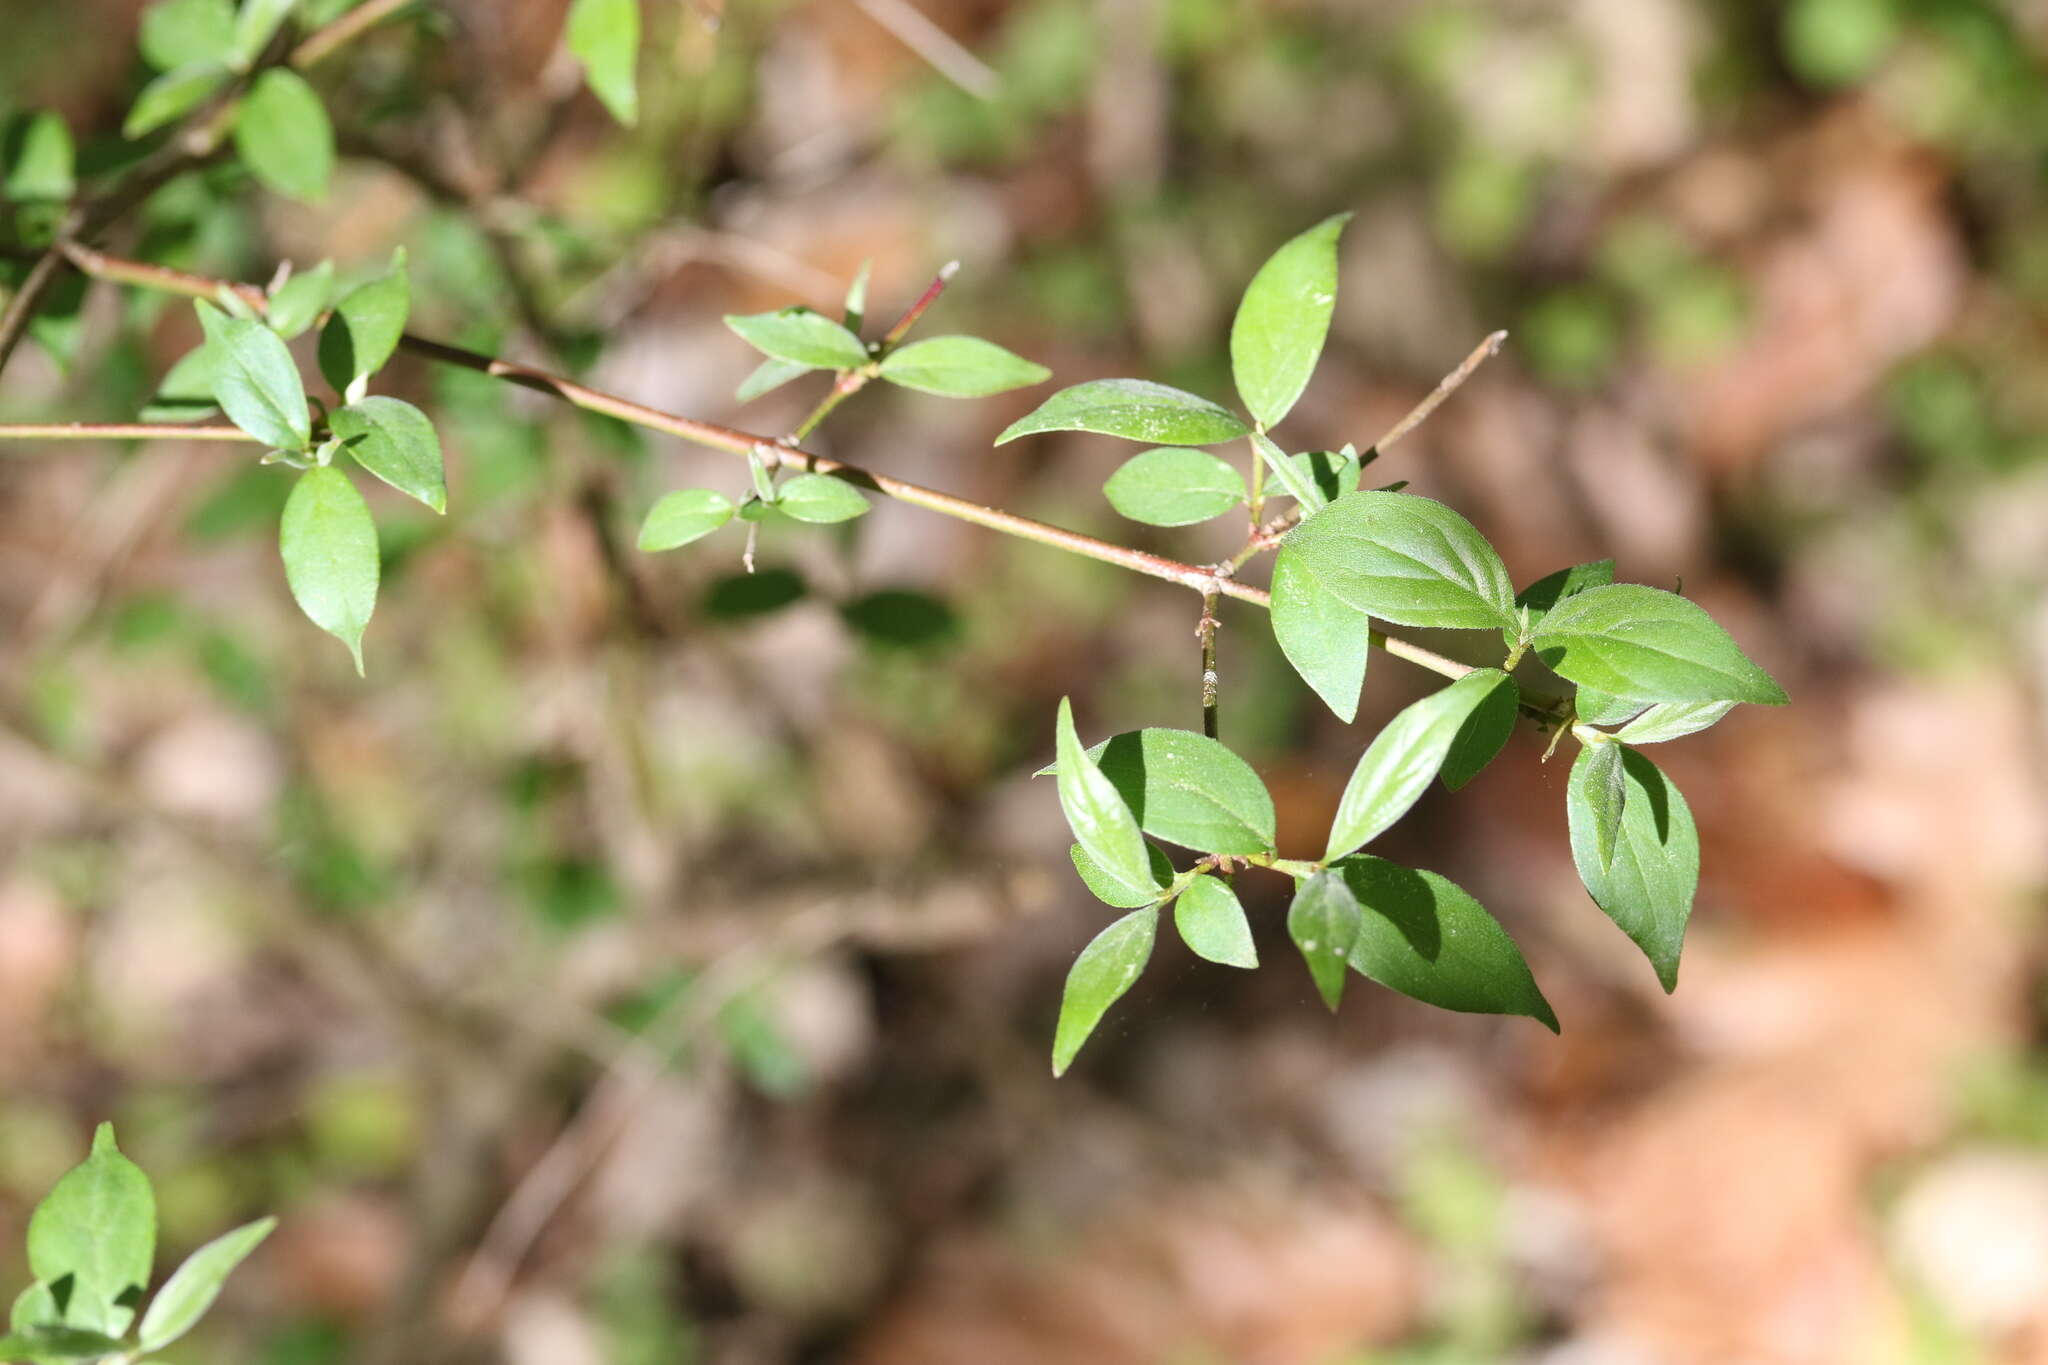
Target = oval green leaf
(769,374)
(38,157)
(329,544)
(1647,887)
(299,301)
(1135,409)
(256,23)
(365,329)
(1212,923)
(683,516)
(1397,767)
(284,137)
(255,381)
(98,1226)
(1328,640)
(179,33)
(1595,707)
(1323,922)
(173,95)
(1674,720)
(604,35)
(960,367)
(1110,891)
(1283,320)
(1096,812)
(1404,558)
(1174,486)
(1535,601)
(1189,790)
(1424,936)
(193,1286)
(1484,734)
(1597,786)
(1106,968)
(820,499)
(395,441)
(801,336)
(1646,644)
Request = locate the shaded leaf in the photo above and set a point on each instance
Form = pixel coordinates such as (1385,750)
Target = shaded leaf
(1135,409)
(1546,592)
(1106,968)
(1110,891)
(1174,486)
(365,329)
(1484,734)
(1424,936)
(1597,785)
(1282,321)
(747,595)
(902,618)
(1212,923)
(1647,887)
(1674,720)
(1323,922)
(960,367)
(1397,767)
(1595,707)
(1295,480)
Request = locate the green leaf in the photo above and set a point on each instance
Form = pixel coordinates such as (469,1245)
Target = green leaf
(1188,789)
(256,24)
(186,391)
(960,367)
(395,441)
(1283,319)
(1648,645)
(605,36)
(1096,812)
(1647,887)
(1332,473)
(1326,638)
(329,545)
(41,162)
(282,134)
(299,301)
(746,596)
(1110,891)
(1674,720)
(1396,769)
(193,1287)
(179,33)
(1212,923)
(1174,486)
(98,1226)
(1403,558)
(1135,409)
(801,336)
(769,374)
(36,1306)
(173,95)
(1323,922)
(1595,707)
(57,1342)
(1597,785)
(256,383)
(1106,968)
(684,516)
(901,618)
(1295,480)
(821,499)
(856,308)
(1484,734)
(1425,937)
(1546,592)
(365,329)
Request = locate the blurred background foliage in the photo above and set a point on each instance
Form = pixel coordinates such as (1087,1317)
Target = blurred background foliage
(653,963)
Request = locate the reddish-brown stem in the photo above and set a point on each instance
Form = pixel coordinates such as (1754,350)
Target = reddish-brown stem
(119,431)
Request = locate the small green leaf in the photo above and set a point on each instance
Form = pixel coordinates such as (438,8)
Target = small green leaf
(1326,638)
(98,1226)
(901,618)
(1283,320)
(40,161)
(395,441)
(746,596)
(173,95)
(1649,645)
(1673,720)
(1332,473)
(1546,592)
(1135,409)
(605,36)
(801,336)
(1647,887)
(193,1287)
(1212,923)
(1595,707)
(1106,968)
(1096,812)
(179,33)
(1295,480)
(1484,734)
(365,329)
(283,135)
(1597,785)
(821,499)
(1174,486)
(1110,891)
(856,309)
(329,545)
(769,374)
(58,1343)
(684,516)
(186,391)
(1188,789)
(256,383)
(1396,769)
(1324,922)
(1403,558)
(1425,937)
(256,24)
(960,367)
(36,1306)
(299,301)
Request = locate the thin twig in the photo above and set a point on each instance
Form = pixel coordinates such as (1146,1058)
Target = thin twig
(119,431)
(1205,631)
(851,382)
(910,27)
(1445,387)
